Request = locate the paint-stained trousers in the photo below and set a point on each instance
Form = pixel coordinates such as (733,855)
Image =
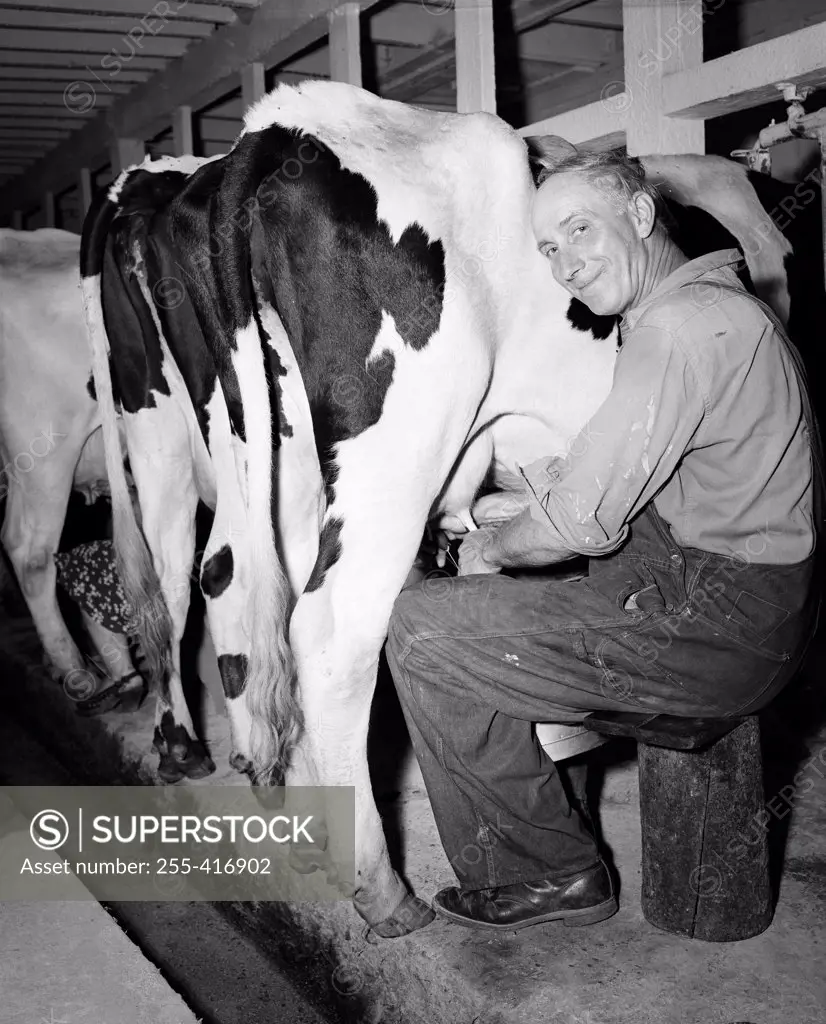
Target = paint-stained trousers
(478,659)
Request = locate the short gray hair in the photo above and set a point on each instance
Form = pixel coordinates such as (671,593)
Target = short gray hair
(614,173)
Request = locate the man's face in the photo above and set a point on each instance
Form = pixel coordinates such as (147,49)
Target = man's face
(593,241)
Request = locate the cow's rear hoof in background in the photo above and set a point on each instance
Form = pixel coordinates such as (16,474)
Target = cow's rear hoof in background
(124,696)
(181,755)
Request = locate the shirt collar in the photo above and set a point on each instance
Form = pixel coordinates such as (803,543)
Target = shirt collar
(685,274)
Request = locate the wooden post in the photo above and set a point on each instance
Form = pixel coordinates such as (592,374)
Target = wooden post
(17,220)
(49,210)
(126,152)
(252,84)
(182,132)
(345,44)
(475,69)
(659,37)
(84,190)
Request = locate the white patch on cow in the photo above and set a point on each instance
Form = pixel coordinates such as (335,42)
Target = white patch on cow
(201,462)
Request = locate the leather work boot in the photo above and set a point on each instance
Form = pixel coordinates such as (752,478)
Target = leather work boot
(584,898)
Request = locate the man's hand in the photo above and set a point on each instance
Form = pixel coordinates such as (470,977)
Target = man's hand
(499,506)
(472,553)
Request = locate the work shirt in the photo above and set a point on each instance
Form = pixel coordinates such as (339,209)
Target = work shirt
(705,418)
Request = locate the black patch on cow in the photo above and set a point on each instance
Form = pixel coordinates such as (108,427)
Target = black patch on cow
(137,357)
(216,572)
(581,318)
(202,244)
(90,387)
(139,245)
(329,552)
(233,669)
(330,268)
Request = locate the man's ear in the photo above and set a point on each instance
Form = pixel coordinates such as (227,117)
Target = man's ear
(546,151)
(643,213)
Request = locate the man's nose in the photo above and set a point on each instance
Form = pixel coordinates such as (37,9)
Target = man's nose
(570,264)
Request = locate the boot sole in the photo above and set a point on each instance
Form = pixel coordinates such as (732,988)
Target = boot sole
(570,918)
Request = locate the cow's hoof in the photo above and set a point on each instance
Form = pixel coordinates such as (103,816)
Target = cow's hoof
(103,702)
(134,690)
(191,762)
(410,915)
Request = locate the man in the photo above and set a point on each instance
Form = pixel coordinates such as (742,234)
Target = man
(691,492)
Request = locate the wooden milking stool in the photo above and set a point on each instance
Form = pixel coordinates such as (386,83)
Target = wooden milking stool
(705,867)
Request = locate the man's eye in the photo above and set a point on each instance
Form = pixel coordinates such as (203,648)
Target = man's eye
(549,250)
(579,229)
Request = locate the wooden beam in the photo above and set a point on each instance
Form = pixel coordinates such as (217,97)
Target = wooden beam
(84,189)
(43,59)
(124,153)
(746,78)
(475,66)
(659,37)
(136,42)
(28,133)
(209,12)
(253,85)
(595,123)
(49,102)
(47,79)
(345,44)
(182,132)
(49,210)
(151,23)
(46,120)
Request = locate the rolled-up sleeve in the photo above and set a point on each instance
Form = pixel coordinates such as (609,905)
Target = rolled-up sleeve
(625,453)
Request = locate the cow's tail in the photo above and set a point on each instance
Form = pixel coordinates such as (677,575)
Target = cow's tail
(271,676)
(141,587)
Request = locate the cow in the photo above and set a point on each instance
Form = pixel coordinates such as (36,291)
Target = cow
(50,437)
(319,335)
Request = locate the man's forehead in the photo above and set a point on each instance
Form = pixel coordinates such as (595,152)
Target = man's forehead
(564,194)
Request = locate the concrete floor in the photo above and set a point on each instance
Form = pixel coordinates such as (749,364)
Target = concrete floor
(622,971)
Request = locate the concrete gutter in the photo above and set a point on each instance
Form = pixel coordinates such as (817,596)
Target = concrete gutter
(68,962)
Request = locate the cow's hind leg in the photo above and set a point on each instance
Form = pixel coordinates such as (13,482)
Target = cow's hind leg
(387,479)
(35,513)
(168,502)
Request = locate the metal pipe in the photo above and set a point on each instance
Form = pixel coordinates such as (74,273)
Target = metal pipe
(806,127)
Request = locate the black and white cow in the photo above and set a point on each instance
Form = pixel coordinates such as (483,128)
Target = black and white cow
(313,335)
(50,437)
